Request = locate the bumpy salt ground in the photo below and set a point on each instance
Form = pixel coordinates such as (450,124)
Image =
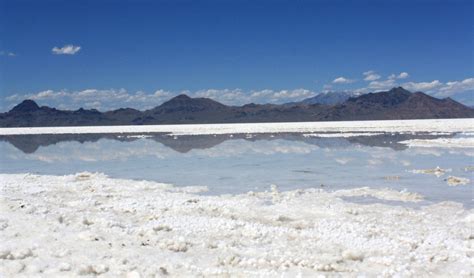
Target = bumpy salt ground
(89,224)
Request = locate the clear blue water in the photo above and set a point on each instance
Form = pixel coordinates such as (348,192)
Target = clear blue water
(242,163)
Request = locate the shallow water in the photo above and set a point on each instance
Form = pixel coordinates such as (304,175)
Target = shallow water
(246,162)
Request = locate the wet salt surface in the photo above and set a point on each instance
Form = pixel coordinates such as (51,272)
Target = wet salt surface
(238,163)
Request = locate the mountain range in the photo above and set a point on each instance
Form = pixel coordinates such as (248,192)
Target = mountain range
(396,103)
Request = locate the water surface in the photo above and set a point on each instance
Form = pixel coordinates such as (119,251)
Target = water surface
(245,162)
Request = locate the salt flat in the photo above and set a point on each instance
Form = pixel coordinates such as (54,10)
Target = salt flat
(437,125)
(441,143)
(90,224)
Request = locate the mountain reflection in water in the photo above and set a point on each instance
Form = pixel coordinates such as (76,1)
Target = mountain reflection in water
(185,143)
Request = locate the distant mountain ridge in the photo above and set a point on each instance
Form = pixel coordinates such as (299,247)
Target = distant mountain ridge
(396,103)
(330,98)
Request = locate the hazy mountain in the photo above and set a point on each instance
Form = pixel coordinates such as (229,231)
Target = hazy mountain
(329,98)
(466,98)
(397,103)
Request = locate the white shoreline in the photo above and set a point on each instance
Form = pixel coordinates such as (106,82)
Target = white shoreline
(436,125)
(89,224)
(440,143)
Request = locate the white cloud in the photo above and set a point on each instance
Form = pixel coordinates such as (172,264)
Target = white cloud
(285,95)
(240,97)
(426,87)
(228,96)
(453,87)
(66,50)
(371,75)
(382,85)
(343,80)
(401,75)
(162,93)
(377,85)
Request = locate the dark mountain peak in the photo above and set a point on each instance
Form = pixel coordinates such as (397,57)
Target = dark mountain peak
(124,110)
(390,98)
(178,100)
(83,111)
(399,90)
(251,105)
(182,100)
(181,97)
(25,106)
(185,103)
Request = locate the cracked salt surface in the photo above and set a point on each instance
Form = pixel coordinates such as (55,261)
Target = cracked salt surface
(89,224)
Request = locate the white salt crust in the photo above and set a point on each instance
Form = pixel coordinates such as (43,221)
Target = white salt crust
(438,126)
(89,224)
(441,143)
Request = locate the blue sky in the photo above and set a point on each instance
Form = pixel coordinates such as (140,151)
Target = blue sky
(107,54)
